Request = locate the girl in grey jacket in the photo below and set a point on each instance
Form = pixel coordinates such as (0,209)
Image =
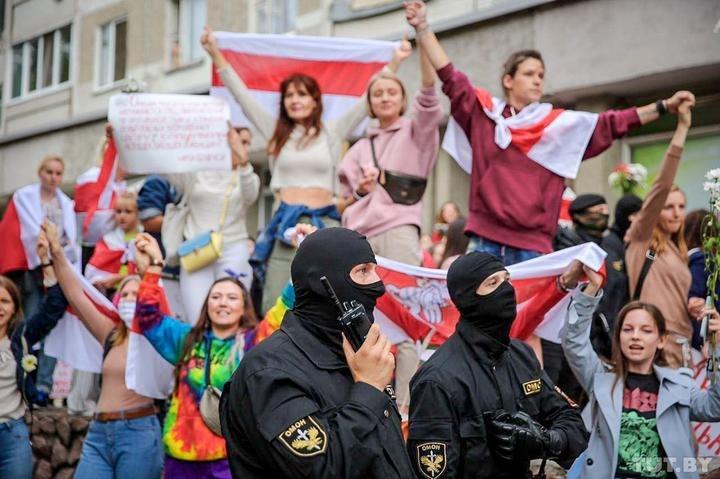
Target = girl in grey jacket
(640,411)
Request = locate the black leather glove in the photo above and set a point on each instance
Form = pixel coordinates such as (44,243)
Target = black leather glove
(520,437)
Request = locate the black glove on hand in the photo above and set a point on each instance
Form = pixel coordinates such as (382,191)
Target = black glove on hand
(519,436)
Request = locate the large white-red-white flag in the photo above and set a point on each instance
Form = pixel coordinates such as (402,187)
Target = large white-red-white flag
(417,303)
(20,228)
(552,137)
(146,372)
(341,66)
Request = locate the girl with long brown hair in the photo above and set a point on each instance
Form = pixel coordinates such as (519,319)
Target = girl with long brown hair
(212,348)
(124,436)
(303,154)
(17,361)
(640,409)
(656,245)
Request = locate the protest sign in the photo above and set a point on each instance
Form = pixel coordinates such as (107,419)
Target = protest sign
(707,434)
(157,133)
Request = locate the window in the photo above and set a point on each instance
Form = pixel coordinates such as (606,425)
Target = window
(275,16)
(112,52)
(699,156)
(187,19)
(40,63)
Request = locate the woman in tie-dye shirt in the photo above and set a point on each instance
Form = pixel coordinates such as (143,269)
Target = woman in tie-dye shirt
(225,330)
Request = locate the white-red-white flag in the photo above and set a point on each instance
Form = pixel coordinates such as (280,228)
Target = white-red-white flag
(87,199)
(554,138)
(20,228)
(95,192)
(417,301)
(341,66)
(110,254)
(146,372)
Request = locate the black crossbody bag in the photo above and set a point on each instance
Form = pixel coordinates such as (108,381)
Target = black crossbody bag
(403,189)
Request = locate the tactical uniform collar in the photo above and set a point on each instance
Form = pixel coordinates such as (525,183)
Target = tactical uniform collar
(320,354)
(488,349)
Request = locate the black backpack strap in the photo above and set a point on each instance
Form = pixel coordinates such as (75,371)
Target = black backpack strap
(649,260)
(372,148)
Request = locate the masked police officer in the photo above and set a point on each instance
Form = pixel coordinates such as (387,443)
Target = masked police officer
(481,406)
(303,403)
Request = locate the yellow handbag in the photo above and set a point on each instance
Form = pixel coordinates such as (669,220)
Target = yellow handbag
(205,248)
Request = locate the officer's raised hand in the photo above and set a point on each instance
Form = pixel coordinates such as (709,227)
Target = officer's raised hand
(373,363)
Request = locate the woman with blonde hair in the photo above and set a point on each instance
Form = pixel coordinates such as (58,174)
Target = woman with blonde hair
(656,254)
(383,178)
(31,205)
(124,437)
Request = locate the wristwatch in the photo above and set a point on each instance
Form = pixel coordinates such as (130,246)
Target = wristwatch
(157,262)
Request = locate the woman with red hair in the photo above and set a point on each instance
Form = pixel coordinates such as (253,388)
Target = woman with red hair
(303,153)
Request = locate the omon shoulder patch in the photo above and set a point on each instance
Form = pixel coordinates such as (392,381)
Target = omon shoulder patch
(305,437)
(432,459)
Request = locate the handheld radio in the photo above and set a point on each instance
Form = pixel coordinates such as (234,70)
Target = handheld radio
(353,317)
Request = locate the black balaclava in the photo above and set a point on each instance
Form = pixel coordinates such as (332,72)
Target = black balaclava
(331,252)
(594,223)
(493,313)
(626,206)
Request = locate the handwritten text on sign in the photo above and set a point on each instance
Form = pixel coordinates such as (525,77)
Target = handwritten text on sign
(157,133)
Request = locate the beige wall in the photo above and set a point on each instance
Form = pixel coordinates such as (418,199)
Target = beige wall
(19,160)
(26,23)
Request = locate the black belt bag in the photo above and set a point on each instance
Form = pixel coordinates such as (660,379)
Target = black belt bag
(403,189)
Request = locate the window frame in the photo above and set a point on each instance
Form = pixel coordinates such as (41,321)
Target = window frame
(290,14)
(39,90)
(112,43)
(181,19)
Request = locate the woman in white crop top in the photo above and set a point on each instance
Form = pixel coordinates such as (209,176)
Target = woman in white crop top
(303,152)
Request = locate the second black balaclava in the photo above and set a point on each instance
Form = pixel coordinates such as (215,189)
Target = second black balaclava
(626,206)
(331,252)
(493,313)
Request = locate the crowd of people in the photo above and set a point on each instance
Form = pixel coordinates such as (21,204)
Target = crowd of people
(266,381)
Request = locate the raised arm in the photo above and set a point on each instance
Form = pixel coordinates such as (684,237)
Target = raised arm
(416,16)
(642,227)
(575,335)
(97,323)
(263,122)
(165,333)
(249,181)
(343,126)
(53,306)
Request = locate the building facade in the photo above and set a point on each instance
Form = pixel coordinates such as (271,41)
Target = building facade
(62,60)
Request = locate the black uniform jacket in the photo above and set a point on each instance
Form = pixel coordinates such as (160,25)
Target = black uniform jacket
(453,390)
(293,410)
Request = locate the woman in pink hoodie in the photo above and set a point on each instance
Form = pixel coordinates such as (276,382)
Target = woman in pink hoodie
(382,178)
